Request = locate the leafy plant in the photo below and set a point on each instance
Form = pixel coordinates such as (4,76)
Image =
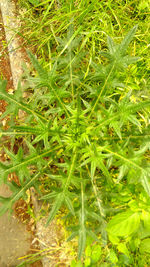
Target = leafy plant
(34,2)
(88,135)
(43,23)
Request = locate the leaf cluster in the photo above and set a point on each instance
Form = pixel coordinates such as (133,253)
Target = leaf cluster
(83,132)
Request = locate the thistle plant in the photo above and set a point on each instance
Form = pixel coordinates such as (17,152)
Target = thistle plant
(88,136)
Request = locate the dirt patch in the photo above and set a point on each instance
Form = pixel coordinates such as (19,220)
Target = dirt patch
(23,211)
(5,70)
(17,231)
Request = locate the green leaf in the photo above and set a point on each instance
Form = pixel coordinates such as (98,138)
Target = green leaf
(73,235)
(128,108)
(81,241)
(93,168)
(87,262)
(114,239)
(145,246)
(82,229)
(145,180)
(56,206)
(96,253)
(92,235)
(25,162)
(128,38)
(93,215)
(34,2)
(134,120)
(28,129)
(123,249)
(69,204)
(112,256)
(124,224)
(76,264)
(116,126)
(146,218)
(122,171)
(49,196)
(144,173)
(3,85)
(111,45)
(42,73)
(88,251)
(16,104)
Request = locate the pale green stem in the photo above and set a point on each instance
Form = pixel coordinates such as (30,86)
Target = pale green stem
(70,172)
(102,90)
(99,201)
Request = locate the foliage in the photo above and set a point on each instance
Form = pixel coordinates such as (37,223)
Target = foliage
(88,135)
(44,22)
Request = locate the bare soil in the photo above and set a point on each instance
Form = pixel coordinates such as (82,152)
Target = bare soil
(17,231)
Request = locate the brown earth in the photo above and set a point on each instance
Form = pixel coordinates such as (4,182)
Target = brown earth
(17,231)
(5,70)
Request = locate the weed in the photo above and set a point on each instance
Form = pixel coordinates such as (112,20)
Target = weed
(88,135)
(44,22)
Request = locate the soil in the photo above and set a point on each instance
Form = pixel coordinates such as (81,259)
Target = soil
(17,231)
(5,70)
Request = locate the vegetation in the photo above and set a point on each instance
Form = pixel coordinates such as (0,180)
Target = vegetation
(85,132)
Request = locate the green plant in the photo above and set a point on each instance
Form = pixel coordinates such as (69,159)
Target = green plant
(88,135)
(42,24)
(34,2)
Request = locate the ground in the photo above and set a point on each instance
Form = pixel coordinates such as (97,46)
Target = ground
(17,231)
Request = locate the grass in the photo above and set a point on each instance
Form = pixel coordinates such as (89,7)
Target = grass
(44,23)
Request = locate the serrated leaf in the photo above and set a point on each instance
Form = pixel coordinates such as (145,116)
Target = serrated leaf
(27,161)
(105,171)
(81,241)
(128,38)
(69,204)
(94,215)
(56,206)
(111,45)
(42,73)
(134,120)
(137,167)
(49,196)
(92,234)
(16,104)
(28,129)
(116,128)
(122,172)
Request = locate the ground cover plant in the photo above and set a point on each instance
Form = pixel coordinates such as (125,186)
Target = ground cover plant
(87,135)
(44,20)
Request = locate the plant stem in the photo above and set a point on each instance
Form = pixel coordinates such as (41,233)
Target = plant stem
(97,100)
